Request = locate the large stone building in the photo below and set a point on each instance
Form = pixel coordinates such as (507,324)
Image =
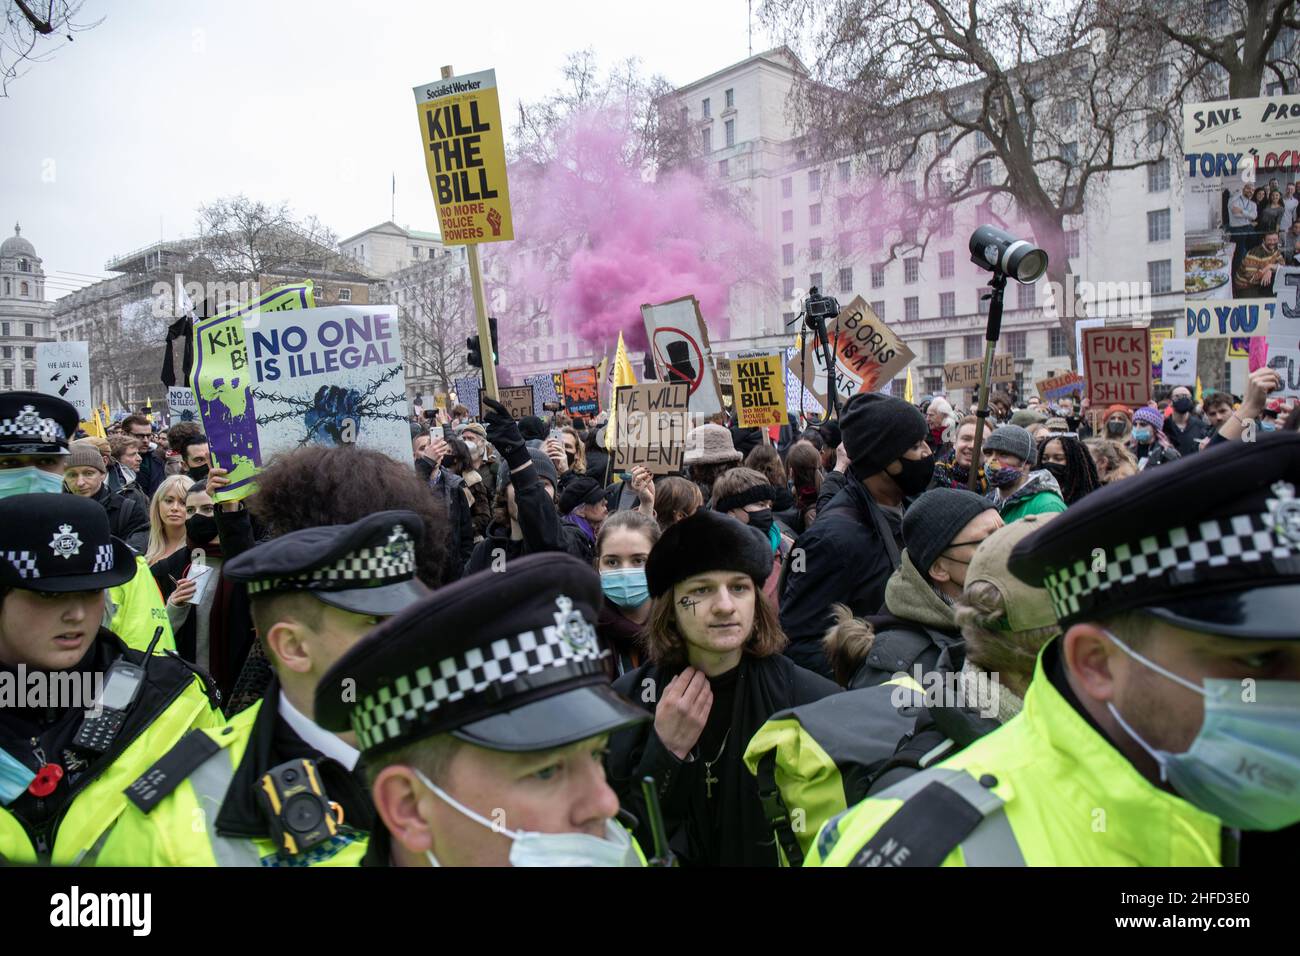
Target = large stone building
(388,248)
(24,313)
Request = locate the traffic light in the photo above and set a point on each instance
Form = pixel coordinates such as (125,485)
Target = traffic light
(475,357)
(492,326)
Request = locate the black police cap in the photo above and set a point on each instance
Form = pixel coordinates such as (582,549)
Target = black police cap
(60,543)
(1210,543)
(33,423)
(506,660)
(367,566)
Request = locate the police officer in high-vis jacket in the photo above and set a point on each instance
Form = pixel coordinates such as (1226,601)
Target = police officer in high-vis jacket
(34,433)
(83,714)
(483,713)
(1165,720)
(271,787)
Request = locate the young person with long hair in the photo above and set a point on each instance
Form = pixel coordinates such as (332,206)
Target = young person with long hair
(167,519)
(623,546)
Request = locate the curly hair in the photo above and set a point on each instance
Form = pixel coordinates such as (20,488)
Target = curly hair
(1080,471)
(319,485)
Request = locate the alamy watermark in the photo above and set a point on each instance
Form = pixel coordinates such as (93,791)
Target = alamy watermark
(59,690)
(979,691)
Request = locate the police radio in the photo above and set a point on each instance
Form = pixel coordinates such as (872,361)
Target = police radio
(121,689)
(301,815)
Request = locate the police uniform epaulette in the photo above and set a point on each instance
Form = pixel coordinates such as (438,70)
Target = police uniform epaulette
(209,683)
(149,789)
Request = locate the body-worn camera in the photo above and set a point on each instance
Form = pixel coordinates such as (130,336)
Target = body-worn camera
(301,815)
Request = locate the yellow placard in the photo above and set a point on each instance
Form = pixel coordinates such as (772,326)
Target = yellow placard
(465,154)
(758,390)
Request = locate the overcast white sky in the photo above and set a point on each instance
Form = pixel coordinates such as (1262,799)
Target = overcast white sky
(167,105)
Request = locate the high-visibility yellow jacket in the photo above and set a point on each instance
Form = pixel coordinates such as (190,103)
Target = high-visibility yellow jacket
(172,702)
(1045,789)
(137,610)
(183,797)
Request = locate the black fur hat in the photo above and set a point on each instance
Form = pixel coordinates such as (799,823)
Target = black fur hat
(707,541)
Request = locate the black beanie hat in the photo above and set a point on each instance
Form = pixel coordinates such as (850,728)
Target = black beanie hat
(877,430)
(532,427)
(580,491)
(707,541)
(934,519)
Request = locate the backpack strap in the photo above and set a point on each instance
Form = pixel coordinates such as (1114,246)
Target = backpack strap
(774,809)
(942,810)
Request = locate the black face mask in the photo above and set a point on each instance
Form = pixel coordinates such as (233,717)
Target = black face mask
(762,520)
(1182,405)
(451,461)
(201,529)
(915,476)
(1057,471)
(199,473)
(1115,429)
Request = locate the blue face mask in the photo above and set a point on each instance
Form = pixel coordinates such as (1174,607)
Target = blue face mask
(1142,435)
(29,480)
(15,778)
(1244,765)
(626,587)
(1267,426)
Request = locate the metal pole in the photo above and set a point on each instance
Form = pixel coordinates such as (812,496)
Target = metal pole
(991,333)
(480,304)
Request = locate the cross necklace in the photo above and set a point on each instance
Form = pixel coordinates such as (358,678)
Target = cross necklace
(709,779)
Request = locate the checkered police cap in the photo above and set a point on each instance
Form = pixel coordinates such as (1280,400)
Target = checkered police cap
(1222,521)
(375,566)
(34,423)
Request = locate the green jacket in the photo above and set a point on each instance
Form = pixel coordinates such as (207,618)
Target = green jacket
(205,813)
(172,702)
(1039,495)
(1049,790)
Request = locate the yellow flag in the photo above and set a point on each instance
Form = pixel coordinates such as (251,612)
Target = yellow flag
(907,389)
(623,375)
(1198,390)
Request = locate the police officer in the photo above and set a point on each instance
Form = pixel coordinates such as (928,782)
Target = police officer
(34,434)
(1167,716)
(483,714)
(81,714)
(273,788)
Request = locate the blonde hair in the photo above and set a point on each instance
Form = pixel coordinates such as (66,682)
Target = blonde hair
(847,643)
(580,456)
(158,543)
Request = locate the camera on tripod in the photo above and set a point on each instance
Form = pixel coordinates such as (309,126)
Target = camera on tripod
(819,307)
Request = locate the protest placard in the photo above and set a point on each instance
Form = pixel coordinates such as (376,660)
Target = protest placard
(465,155)
(1284,337)
(651,421)
(758,389)
(967,374)
(868,354)
(679,344)
(581,391)
(223,383)
(331,376)
(1059,386)
(1117,365)
(1158,339)
(63,369)
(544,392)
(467,390)
(518,399)
(181,406)
(1178,366)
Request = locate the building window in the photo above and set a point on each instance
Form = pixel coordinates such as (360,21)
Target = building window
(877,277)
(844,168)
(981,301)
(934,349)
(814,249)
(974,345)
(1026,297)
(345,295)
(947,265)
(787,221)
(787,254)
(7,352)
(1158,275)
(1157,129)
(24,265)
(1157,225)
(1072,243)
(877,236)
(815,214)
(1057,342)
(7,292)
(787,187)
(9,378)
(911,269)
(1067,111)
(911,309)
(1158,177)
(29,352)
(1158,80)
(729,130)
(729,98)
(878,307)
(29,378)
(1016,343)
(29,330)
(801,156)
(983,174)
(814,180)
(815,280)
(947,304)
(846,243)
(844,205)
(787,287)
(934,384)
(723,167)
(788,318)
(705,111)
(706,139)
(945,223)
(943,141)
(846,280)
(981,141)
(1070,151)
(908,234)
(22,288)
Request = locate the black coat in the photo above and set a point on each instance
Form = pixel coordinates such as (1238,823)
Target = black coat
(1187,441)
(126,518)
(765,686)
(846,561)
(460,522)
(539,522)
